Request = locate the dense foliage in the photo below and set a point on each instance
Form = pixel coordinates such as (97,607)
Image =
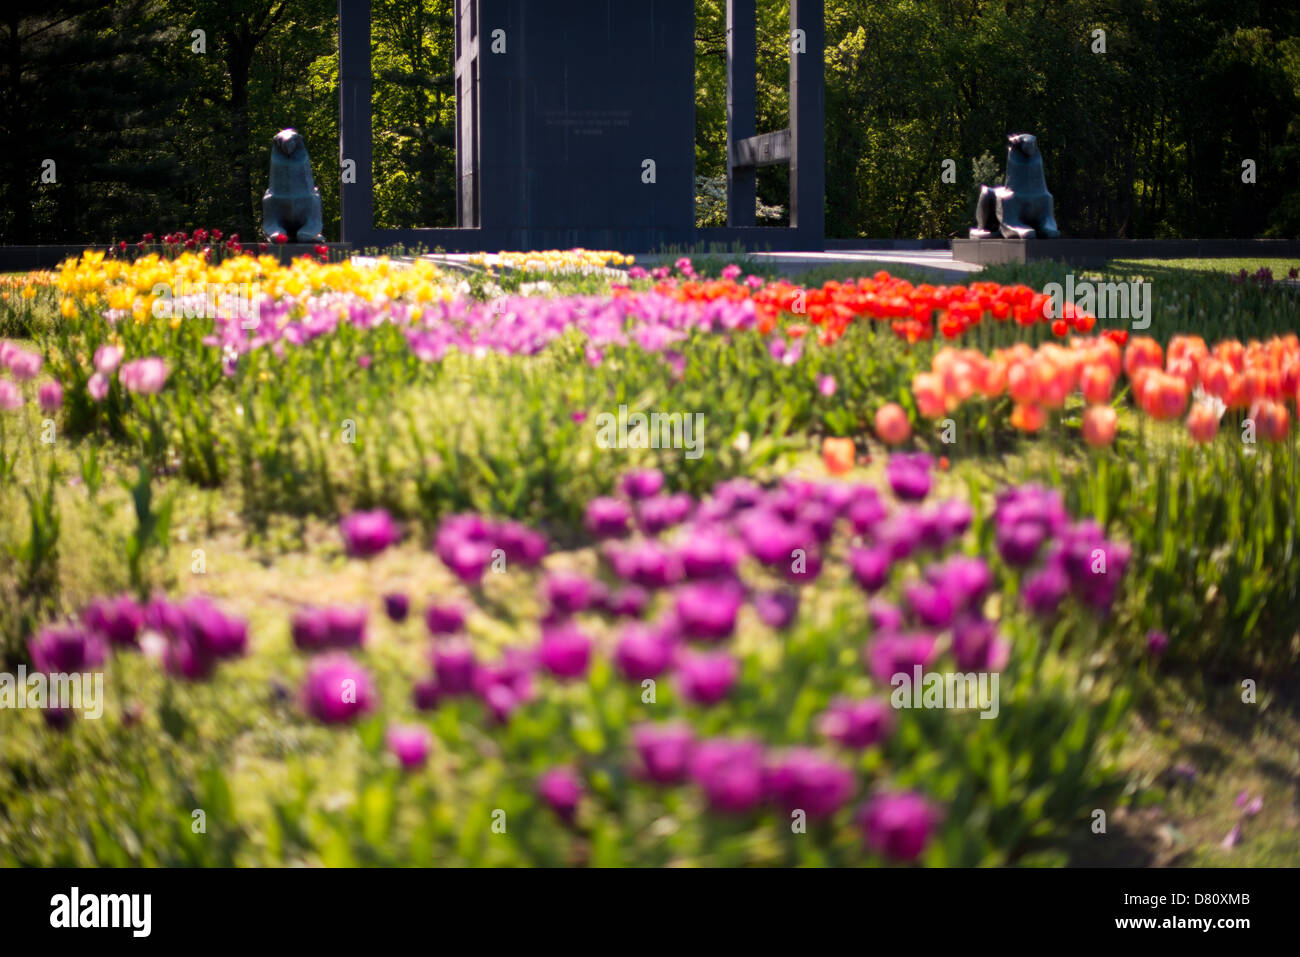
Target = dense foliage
(1144,139)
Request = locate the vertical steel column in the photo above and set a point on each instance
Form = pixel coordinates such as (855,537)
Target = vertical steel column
(742,43)
(356,202)
(467,107)
(808,118)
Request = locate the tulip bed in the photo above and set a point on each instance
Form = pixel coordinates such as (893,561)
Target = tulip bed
(369,587)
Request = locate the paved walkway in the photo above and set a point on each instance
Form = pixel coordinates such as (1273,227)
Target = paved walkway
(936,263)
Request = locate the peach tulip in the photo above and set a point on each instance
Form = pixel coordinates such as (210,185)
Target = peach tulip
(1099,424)
(892,425)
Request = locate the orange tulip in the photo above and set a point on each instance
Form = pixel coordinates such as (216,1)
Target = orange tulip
(1173,397)
(1202,422)
(1096,381)
(1216,377)
(838,454)
(892,424)
(1271,420)
(1099,424)
(1022,383)
(1028,418)
(1142,352)
(928,389)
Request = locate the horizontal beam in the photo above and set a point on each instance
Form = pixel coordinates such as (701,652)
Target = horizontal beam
(765,149)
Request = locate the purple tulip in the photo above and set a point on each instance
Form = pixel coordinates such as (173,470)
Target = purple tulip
(117,620)
(953,517)
(977,646)
(893,654)
(870,567)
(454,666)
(909,475)
(705,679)
(185,657)
(501,702)
(507,683)
(24,365)
(107,359)
(444,618)
(561,789)
(737,494)
(569,593)
(707,610)
(967,580)
(97,386)
(663,511)
(66,649)
(1025,517)
(337,690)
(334,628)
(368,533)
(771,539)
(641,483)
(50,396)
(57,719)
(777,609)
(1044,591)
(709,552)
(218,634)
(521,544)
(885,617)
(628,602)
(729,772)
(310,629)
(787,501)
(143,376)
(932,606)
(818,519)
(397,605)
(646,563)
(468,560)
(664,751)
(608,517)
(410,744)
(1031,503)
(898,825)
(565,651)
(899,534)
(838,496)
(802,780)
(857,724)
(866,510)
(1018,544)
(456,529)
(425,694)
(1157,643)
(1094,564)
(1233,838)
(643,652)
